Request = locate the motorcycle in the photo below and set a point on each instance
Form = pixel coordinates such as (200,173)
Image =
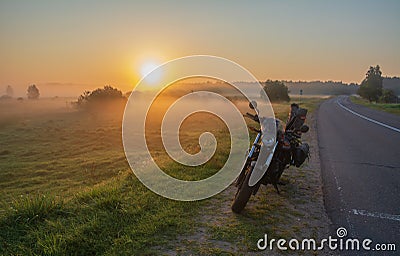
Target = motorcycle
(288,149)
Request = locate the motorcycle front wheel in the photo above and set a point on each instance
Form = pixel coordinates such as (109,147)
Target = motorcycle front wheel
(242,195)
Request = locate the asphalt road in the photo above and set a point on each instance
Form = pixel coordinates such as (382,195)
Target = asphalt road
(360,162)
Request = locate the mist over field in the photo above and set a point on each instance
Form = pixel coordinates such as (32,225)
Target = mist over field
(310,88)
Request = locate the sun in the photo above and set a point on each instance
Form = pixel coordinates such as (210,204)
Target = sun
(147,67)
(150,72)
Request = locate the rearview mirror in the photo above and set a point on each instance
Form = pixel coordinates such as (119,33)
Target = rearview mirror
(253,104)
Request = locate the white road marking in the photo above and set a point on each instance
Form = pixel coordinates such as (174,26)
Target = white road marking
(369,119)
(376,215)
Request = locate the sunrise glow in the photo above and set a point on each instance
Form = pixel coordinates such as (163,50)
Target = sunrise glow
(149,72)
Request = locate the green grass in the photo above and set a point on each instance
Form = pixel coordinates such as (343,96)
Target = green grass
(67,189)
(390,108)
(120,217)
(59,153)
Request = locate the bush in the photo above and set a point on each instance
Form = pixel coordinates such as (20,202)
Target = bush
(388,96)
(276,91)
(5,97)
(103,95)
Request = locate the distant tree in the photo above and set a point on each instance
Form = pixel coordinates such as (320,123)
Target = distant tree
(33,92)
(371,86)
(9,91)
(100,95)
(388,96)
(276,91)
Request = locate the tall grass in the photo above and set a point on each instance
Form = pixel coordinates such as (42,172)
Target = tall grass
(32,208)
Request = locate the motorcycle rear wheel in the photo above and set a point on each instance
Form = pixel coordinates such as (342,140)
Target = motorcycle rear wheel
(242,195)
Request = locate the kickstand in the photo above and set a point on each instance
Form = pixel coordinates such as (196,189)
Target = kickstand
(276,187)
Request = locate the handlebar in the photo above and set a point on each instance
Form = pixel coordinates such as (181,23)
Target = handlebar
(254,129)
(252,117)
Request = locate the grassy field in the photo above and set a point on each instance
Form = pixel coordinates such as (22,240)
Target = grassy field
(66,187)
(390,108)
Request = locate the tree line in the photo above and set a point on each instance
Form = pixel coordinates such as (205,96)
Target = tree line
(32,93)
(371,88)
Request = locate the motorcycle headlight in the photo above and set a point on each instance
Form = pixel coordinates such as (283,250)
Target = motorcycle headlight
(268,129)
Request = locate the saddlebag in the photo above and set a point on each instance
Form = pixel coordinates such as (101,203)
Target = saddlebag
(300,154)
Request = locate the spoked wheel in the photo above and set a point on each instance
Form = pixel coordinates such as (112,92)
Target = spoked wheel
(242,195)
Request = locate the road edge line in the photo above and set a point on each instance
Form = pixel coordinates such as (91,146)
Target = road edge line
(368,119)
(376,214)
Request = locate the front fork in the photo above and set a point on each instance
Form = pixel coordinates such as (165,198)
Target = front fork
(250,164)
(242,177)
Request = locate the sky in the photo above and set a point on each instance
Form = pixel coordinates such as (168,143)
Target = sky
(69,46)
